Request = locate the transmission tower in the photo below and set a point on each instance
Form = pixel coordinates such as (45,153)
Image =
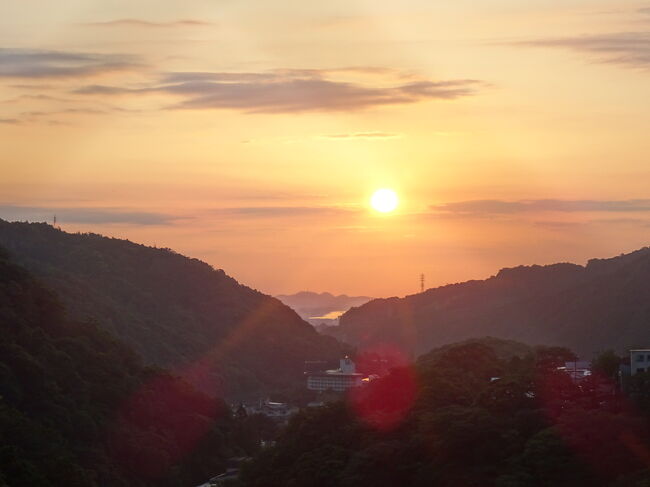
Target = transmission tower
(421,283)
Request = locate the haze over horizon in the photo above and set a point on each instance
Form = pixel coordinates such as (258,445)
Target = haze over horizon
(252,135)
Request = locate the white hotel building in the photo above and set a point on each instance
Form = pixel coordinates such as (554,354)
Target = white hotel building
(339,380)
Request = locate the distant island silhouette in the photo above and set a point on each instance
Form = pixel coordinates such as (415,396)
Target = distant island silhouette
(321,308)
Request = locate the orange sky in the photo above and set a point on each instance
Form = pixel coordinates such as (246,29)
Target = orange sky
(252,134)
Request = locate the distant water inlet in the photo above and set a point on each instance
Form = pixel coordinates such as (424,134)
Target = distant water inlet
(332,315)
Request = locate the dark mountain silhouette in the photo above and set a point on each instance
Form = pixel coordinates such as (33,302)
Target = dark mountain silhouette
(314,307)
(176,312)
(77,407)
(603,305)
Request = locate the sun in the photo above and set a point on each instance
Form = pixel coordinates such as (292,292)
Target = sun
(384,200)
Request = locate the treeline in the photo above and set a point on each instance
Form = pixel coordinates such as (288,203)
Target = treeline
(175,312)
(77,407)
(471,415)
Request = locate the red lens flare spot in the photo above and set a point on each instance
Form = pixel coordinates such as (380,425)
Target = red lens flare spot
(384,403)
(596,423)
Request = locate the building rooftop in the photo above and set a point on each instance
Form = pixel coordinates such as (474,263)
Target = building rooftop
(578,364)
(334,373)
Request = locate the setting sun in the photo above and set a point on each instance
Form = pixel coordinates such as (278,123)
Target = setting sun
(384,200)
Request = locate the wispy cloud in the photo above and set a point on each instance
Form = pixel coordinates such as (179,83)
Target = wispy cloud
(150,24)
(40,97)
(40,64)
(108,90)
(66,111)
(501,207)
(564,225)
(283,211)
(97,216)
(292,91)
(363,135)
(624,48)
(49,117)
(32,86)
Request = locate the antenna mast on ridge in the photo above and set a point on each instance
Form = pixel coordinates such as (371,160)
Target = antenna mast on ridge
(421,283)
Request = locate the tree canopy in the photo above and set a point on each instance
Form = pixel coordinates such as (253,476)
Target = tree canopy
(479,418)
(77,407)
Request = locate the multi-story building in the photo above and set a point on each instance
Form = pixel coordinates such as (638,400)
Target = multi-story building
(339,380)
(639,361)
(577,370)
(279,411)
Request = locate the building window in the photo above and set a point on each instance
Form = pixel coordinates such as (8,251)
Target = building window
(640,358)
(640,370)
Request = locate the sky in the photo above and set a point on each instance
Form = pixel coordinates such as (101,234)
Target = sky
(251,134)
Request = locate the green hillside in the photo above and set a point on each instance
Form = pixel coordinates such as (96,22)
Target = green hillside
(176,312)
(603,305)
(78,409)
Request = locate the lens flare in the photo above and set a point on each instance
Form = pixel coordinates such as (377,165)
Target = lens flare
(383,404)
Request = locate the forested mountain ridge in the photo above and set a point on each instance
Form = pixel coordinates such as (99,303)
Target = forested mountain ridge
(176,312)
(603,305)
(77,408)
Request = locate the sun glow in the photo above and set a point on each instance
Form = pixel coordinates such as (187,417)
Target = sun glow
(384,200)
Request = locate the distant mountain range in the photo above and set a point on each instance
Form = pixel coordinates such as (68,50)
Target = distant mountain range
(321,308)
(603,305)
(176,312)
